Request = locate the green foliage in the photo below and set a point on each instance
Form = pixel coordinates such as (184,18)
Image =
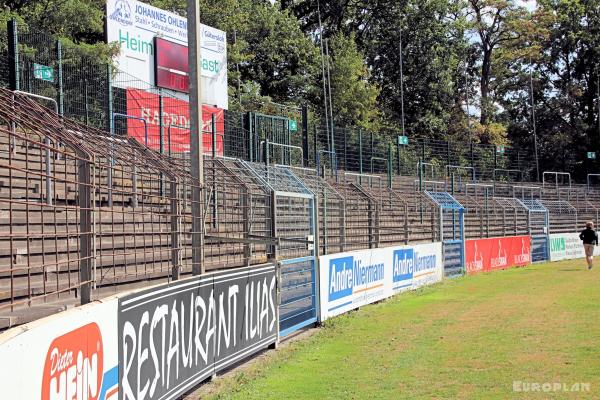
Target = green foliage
(354,97)
(453,51)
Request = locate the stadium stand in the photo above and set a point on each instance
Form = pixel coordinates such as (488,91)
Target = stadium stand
(72,196)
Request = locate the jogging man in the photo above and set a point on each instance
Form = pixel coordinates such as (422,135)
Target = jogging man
(590,240)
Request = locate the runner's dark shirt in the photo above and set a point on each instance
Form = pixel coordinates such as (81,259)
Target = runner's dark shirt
(589,236)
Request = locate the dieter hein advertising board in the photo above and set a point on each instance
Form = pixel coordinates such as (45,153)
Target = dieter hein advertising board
(485,255)
(70,355)
(135,25)
(567,246)
(353,279)
(173,337)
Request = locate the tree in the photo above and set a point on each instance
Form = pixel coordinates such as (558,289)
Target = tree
(265,47)
(354,97)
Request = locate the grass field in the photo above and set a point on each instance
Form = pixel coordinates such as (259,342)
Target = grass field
(468,338)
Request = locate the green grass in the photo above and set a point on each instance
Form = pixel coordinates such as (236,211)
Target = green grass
(467,338)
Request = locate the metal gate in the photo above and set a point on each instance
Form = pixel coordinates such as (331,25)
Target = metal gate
(452,232)
(293,227)
(274,129)
(538,222)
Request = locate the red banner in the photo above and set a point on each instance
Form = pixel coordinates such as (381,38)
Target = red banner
(175,113)
(484,255)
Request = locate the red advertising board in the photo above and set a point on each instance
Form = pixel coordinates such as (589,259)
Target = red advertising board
(484,255)
(175,113)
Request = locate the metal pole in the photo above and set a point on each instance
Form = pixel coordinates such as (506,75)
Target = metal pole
(213,125)
(323,69)
(87,105)
(196,145)
(598,95)
(84,202)
(389,169)
(537,163)
(401,86)
(13,48)
(360,154)
(330,104)
(13,73)
(111,129)
(305,135)
(468,108)
(160,121)
(398,147)
(59,81)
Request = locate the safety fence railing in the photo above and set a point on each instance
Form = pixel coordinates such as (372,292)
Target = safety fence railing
(90,213)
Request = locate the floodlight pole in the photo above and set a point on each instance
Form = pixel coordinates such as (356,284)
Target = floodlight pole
(196,145)
(598,95)
(467,101)
(535,144)
(401,85)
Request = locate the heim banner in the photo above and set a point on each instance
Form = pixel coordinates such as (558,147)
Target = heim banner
(69,355)
(353,279)
(484,255)
(174,336)
(567,246)
(175,112)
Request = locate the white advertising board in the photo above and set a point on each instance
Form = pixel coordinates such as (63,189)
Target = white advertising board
(134,24)
(567,246)
(353,279)
(70,355)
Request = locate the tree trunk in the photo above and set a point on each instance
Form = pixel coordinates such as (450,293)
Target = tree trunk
(486,72)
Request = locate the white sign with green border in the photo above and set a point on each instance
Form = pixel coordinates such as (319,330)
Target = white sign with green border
(567,246)
(43,72)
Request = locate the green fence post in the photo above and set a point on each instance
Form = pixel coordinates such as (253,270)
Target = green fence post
(251,149)
(213,125)
(304,135)
(398,148)
(59,81)
(389,171)
(448,154)
(13,51)
(360,154)
(495,157)
(109,100)
(472,156)
(86,102)
(345,149)
(315,144)
(161,128)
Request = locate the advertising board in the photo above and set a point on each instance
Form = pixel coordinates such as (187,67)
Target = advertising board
(70,355)
(135,25)
(484,255)
(175,112)
(567,246)
(173,337)
(353,279)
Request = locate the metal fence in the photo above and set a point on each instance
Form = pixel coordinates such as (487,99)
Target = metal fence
(88,213)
